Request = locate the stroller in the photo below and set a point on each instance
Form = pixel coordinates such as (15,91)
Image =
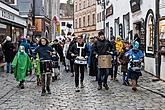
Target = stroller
(55,66)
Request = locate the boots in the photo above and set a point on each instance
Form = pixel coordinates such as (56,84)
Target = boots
(48,90)
(43,93)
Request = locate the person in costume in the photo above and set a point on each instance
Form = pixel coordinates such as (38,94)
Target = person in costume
(136,57)
(79,52)
(45,55)
(21,65)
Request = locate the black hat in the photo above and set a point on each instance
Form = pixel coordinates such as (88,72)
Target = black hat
(100,33)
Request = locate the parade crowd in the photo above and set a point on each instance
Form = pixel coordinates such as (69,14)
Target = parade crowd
(98,56)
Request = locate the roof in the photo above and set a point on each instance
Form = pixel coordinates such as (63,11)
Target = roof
(66,9)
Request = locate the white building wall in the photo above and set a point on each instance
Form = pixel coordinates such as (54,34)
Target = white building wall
(99,25)
(122,7)
(65,28)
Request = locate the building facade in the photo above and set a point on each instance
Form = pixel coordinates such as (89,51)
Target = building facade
(11,23)
(42,18)
(85,17)
(66,19)
(134,17)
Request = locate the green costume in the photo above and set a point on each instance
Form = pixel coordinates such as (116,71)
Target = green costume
(21,65)
(37,63)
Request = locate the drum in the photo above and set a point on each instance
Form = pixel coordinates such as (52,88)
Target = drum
(104,61)
(46,66)
(136,66)
(80,60)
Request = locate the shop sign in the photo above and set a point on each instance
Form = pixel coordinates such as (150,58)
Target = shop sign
(109,11)
(7,15)
(135,5)
(38,25)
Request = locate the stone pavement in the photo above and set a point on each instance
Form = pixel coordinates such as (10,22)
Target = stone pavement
(64,97)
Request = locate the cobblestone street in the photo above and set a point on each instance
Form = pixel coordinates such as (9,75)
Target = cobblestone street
(64,97)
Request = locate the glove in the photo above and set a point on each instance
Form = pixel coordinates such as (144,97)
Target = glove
(72,55)
(96,56)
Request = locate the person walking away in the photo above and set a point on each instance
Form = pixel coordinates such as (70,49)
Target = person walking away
(21,64)
(65,50)
(8,49)
(102,47)
(79,52)
(44,51)
(136,57)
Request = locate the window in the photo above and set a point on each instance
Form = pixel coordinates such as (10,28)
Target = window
(75,7)
(103,15)
(79,6)
(88,3)
(84,21)
(97,17)
(88,20)
(100,17)
(62,23)
(11,1)
(93,2)
(79,22)
(75,25)
(93,19)
(84,4)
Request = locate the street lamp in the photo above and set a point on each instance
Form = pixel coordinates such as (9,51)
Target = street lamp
(103,5)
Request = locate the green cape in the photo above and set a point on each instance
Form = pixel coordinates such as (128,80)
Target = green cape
(21,65)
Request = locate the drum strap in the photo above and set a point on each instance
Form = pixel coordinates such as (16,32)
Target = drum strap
(80,53)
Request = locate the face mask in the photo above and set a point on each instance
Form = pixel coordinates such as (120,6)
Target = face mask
(22,49)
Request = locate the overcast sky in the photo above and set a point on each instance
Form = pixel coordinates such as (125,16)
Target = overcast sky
(63,1)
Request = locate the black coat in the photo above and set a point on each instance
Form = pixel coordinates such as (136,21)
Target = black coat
(8,49)
(102,47)
(93,65)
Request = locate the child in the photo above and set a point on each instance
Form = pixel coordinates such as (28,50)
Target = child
(55,66)
(21,65)
(45,51)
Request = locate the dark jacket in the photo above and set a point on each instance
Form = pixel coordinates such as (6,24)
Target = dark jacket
(76,50)
(8,49)
(44,52)
(102,47)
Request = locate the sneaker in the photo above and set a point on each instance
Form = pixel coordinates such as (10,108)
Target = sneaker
(82,85)
(43,93)
(48,90)
(99,87)
(77,89)
(106,86)
(127,83)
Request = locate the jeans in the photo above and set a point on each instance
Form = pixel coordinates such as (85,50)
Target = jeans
(103,75)
(8,69)
(125,76)
(72,66)
(114,70)
(78,69)
(45,68)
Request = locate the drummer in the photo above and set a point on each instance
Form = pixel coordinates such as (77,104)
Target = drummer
(102,47)
(79,52)
(45,53)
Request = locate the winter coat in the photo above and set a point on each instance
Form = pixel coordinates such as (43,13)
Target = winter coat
(8,49)
(44,52)
(102,47)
